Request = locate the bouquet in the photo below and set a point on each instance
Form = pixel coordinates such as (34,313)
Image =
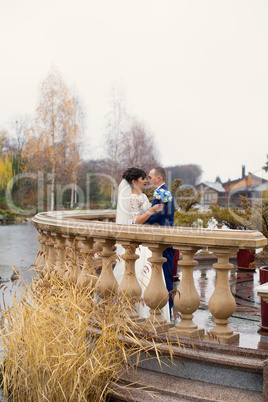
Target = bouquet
(163,195)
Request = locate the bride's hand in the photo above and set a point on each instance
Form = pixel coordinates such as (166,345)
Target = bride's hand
(158,207)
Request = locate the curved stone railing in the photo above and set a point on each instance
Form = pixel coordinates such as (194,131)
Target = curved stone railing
(96,230)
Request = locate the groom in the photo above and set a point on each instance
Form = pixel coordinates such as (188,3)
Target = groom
(156,180)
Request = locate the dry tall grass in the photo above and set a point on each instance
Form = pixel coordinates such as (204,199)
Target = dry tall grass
(60,345)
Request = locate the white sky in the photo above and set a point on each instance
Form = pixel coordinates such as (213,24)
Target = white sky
(195,71)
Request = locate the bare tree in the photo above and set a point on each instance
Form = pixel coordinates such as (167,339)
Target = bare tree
(117,123)
(139,147)
(19,126)
(76,128)
(4,142)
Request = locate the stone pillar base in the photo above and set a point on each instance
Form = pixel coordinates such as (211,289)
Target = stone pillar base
(134,316)
(187,333)
(151,324)
(225,339)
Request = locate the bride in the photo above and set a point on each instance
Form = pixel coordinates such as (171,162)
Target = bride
(133,207)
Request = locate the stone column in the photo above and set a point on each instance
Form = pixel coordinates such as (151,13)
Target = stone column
(156,294)
(87,276)
(222,304)
(36,260)
(106,284)
(75,254)
(60,247)
(50,252)
(97,247)
(129,286)
(70,257)
(40,259)
(187,299)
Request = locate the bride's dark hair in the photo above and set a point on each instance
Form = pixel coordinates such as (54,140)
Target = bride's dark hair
(133,173)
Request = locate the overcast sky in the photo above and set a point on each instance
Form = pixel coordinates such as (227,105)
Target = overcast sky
(195,71)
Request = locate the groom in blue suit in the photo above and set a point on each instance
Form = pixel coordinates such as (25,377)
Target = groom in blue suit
(156,179)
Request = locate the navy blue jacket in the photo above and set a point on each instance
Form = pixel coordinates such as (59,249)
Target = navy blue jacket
(164,217)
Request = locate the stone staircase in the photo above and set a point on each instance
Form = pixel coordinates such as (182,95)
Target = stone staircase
(199,372)
(150,386)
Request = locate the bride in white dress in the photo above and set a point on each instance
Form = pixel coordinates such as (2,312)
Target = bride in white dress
(133,207)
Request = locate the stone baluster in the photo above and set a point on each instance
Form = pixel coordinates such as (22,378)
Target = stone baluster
(81,247)
(38,256)
(50,255)
(60,247)
(187,299)
(70,257)
(156,294)
(40,260)
(106,284)
(129,286)
(87,276)
(222,304)
(75,255)
(97,247)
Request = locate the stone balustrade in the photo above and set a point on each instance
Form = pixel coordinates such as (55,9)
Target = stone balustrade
(95,231)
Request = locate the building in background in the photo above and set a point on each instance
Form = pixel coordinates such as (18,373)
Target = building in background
(228,193)
(211,193)
(246,186)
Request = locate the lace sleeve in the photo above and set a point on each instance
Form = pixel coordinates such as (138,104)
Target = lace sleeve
(145,204)
(134,203)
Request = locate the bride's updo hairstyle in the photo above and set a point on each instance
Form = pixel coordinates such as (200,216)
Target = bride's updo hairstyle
(133,173)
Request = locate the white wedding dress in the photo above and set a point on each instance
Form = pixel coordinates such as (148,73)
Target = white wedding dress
(129,206)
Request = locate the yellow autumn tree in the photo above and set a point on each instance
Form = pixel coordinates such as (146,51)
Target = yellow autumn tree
(6,170)
(52,144)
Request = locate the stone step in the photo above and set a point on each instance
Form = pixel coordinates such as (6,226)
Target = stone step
(152,386)
(211,364)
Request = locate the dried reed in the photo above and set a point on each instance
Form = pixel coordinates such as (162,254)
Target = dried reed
(60,345)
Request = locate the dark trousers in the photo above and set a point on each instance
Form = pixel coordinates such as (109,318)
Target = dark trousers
(168,273)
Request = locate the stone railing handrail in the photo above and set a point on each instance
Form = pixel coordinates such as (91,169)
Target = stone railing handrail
(86,223)
(96,230)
